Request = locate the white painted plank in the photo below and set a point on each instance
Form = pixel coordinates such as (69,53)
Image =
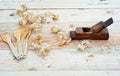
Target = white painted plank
(62,73)
(67,15)
(38,4)
(59,60)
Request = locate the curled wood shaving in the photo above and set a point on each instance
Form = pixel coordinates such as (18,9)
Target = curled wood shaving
(55,17)
(22,10)
(47,14)
(40,47)
(55,29)
(34,22)
(44,50)
(63,38)
(24,7)
(29,17)
(36,42)
(36,27)
(42,20)
(22,21)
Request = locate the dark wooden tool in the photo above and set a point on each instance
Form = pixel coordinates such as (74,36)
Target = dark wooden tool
(96,32)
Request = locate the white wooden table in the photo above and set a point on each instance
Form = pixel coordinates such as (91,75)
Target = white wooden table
(65,61)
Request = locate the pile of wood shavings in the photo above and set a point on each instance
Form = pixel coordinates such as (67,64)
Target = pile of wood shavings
(63,36)
(35,23)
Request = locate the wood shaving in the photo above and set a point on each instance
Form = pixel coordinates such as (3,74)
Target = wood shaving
(47,14)
(22,21)
(63,38)
(36,42)
(29,17)
(44,50)
(55,17)
(24,7)
(55,29)
(22,10)
(83,45)
(51,15)
(36,27)
(42,20)
(40,47)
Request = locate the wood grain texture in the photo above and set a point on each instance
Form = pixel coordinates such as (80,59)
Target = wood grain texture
(64,60)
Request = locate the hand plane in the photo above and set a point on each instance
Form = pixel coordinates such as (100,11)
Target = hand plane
(98,31)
